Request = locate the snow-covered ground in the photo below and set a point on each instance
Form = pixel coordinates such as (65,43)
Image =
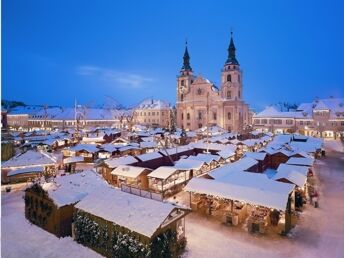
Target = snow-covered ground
(334,145)
(319,232)
(21,239)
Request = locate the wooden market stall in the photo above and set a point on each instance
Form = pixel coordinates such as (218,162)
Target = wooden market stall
(167,180)
(234,203)
(139,227)
(130,176)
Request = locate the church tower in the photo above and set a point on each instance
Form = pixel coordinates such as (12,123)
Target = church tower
(231,78)
(185,77)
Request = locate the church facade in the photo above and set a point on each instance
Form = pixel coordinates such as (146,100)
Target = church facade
(200,103)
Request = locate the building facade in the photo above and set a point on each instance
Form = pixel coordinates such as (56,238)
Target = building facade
(200,103)
(153,113)
(320,118)
(35,118)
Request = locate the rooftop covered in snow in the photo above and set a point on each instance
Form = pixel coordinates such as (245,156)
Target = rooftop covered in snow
(262,195)
(141,215)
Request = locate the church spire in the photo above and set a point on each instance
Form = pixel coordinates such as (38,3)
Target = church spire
(186,63)
(231,52)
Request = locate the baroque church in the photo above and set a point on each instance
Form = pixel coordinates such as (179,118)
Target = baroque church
(201,103)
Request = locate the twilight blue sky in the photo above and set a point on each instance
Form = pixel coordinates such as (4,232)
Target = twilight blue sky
(54,51)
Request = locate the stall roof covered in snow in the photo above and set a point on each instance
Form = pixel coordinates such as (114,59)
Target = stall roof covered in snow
(255,195)
(108,147)
(210,146)
(240,165)
(125,160)
(300,161)
(178,149)
(163,172)
(287,168)
(91,148)
(309,147)
(128,147)
(292,176)
(206,158)
(188,164)
(227,153)
(149,156)
(25,171)
(72,188)
(73,160)
(148,144)
(30,158)
(135,213)
(256,155)
(92,139)
(254,180)
(128,171)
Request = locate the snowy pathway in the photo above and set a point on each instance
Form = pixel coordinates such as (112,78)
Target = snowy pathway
(319,233)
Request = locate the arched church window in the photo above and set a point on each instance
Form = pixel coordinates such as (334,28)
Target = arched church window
(239,94)
(199,91)
(181,97)
(188,116)
(229,115)
(229,94)
(229,78)
(239,78)
(182,82)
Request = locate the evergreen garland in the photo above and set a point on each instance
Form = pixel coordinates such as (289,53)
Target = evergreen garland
(124,245)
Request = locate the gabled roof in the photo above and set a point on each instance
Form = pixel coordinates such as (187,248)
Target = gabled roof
(163,172)
(128,171)
(30,158)
(149,156)
(254,194)
(300,161)
(240,165)
(124,160)
(321,106)
(292,176)
(287,168)
(206,158)
(25,171)
(227,153)
(255,155)
(188,164)
(72,188)
(141,215)
(92,148)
